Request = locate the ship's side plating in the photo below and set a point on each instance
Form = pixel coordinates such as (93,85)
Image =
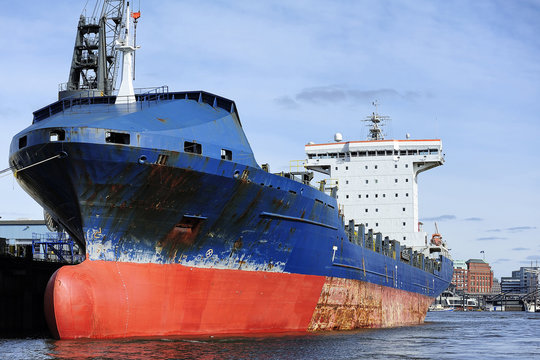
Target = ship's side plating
(168,200)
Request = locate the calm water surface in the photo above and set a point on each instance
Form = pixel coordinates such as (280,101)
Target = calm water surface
(445,335)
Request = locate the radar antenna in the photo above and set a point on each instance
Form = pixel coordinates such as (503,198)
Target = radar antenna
(94,66)
(375,121)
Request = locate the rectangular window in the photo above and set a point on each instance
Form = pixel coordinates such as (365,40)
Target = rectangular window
(395,180)
(57,135)
(192,147)
(23,141)
(116,138)
(226,154)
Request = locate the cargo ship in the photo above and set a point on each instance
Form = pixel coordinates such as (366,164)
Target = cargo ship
(185,234)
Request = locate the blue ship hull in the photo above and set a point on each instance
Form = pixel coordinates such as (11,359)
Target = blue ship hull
(173,181)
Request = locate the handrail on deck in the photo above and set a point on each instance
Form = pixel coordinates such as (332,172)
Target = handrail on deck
(143,96)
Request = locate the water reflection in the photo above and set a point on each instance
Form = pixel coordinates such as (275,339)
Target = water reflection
(446,335)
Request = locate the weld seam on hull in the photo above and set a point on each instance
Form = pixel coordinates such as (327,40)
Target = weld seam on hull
(359,269)
(292,218)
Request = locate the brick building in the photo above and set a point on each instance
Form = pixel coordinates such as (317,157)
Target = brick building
(473,276)
(479,276)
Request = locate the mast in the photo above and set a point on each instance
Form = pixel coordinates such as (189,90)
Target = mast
(374,122)
(94,63)
(126,92)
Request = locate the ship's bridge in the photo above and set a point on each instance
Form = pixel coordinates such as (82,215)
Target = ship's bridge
(377,181)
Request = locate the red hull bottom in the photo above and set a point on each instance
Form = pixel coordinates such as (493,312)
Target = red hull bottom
(101,299)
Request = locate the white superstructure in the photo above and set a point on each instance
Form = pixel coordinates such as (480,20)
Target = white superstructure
(376,180)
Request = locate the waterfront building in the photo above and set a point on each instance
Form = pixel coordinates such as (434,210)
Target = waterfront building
(479,276)
(32,238)
(473,276)
(15,235)
(459,278)
(522,281)
(496,288)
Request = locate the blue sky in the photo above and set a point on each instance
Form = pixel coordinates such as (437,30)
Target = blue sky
(463,71)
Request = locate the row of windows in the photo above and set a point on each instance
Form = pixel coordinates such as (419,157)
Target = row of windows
(343,155)
(377,181)
(374,166)
(113,137)
(376,196)
(377,210)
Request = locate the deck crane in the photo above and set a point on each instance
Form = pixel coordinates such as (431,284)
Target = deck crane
(94,66)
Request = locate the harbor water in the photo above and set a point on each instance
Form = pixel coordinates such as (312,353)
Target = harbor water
(445,335)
